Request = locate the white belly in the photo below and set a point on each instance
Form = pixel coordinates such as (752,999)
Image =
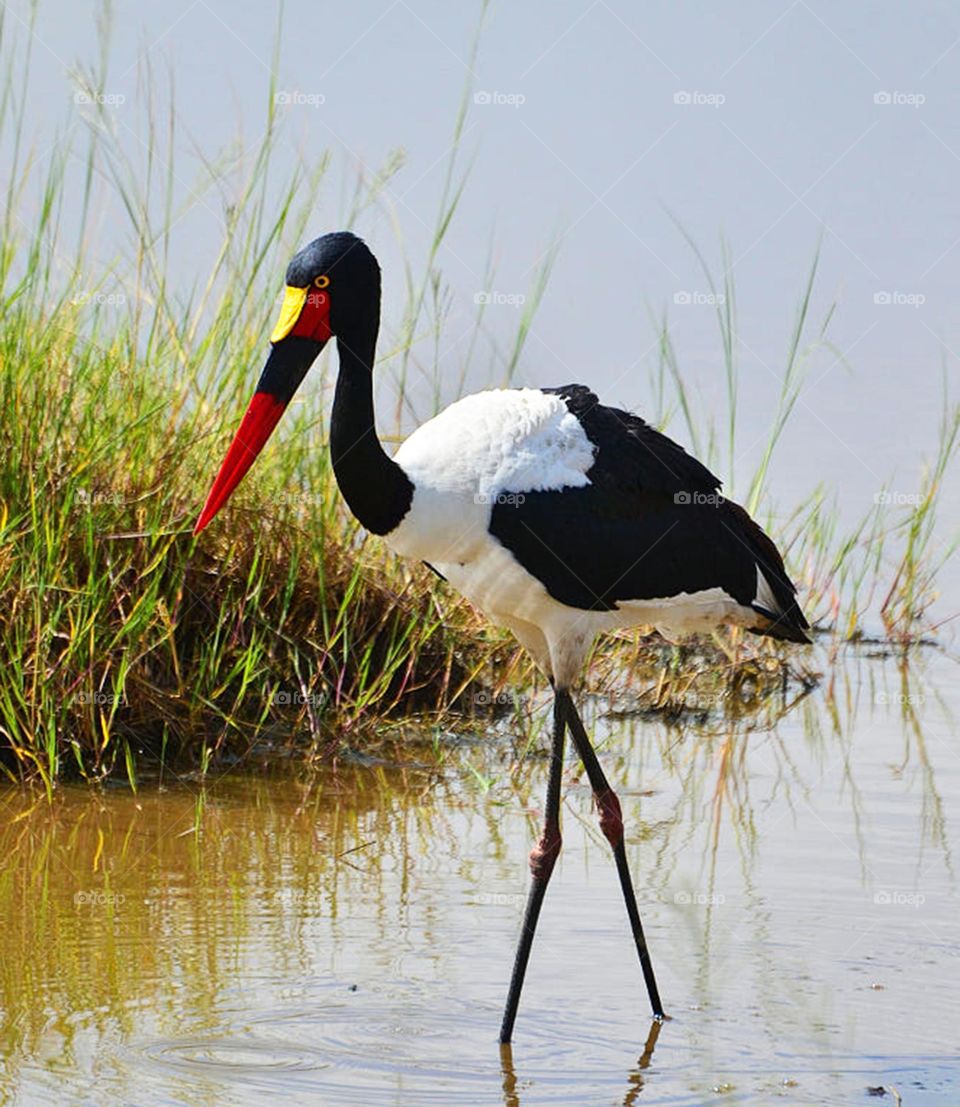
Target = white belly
(559,637)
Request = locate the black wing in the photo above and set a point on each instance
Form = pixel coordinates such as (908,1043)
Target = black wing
(651,524)
(630,454)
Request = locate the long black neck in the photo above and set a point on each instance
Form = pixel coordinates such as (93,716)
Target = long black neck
(376,489)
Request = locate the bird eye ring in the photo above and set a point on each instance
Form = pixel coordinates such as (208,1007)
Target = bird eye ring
(321,282)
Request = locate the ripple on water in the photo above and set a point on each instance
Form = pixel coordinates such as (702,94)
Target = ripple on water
(230,1058)
(362,1053)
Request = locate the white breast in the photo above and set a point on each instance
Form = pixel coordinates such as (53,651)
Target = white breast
(488,445)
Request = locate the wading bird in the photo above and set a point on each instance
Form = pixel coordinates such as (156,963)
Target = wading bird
(557,517)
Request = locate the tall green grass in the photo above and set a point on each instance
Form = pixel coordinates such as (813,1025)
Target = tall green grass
(124,643)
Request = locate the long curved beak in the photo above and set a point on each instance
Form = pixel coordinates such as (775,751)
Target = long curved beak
(282,375)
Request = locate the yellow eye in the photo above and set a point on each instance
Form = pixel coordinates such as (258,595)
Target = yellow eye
(321,282)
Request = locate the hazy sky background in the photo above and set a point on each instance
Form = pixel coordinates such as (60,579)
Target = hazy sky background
(768,123)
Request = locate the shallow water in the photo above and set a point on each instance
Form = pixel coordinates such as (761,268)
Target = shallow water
(345,937)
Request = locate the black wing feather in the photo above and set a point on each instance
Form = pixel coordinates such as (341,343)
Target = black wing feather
(650,524)
(630,454)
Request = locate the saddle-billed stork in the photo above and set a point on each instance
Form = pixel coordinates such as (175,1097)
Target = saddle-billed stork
(556,516)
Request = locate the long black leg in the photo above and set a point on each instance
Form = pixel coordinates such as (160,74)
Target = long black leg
(543,856)
(611,823)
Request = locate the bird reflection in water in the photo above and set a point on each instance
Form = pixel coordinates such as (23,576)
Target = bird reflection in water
(635,1078)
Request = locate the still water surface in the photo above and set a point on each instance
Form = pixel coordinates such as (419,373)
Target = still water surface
(344,937)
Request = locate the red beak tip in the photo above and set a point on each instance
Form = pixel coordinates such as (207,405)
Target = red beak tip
(203,520)
(256,427)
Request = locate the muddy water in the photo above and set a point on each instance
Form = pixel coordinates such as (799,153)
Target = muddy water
(345,938)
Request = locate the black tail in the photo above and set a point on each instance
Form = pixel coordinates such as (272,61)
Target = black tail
(788,626)
(782,618)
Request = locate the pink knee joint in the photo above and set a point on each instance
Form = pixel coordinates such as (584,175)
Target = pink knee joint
(611,817)
(544,854)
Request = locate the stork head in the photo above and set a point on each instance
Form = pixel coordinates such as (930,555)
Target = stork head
(332,289)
